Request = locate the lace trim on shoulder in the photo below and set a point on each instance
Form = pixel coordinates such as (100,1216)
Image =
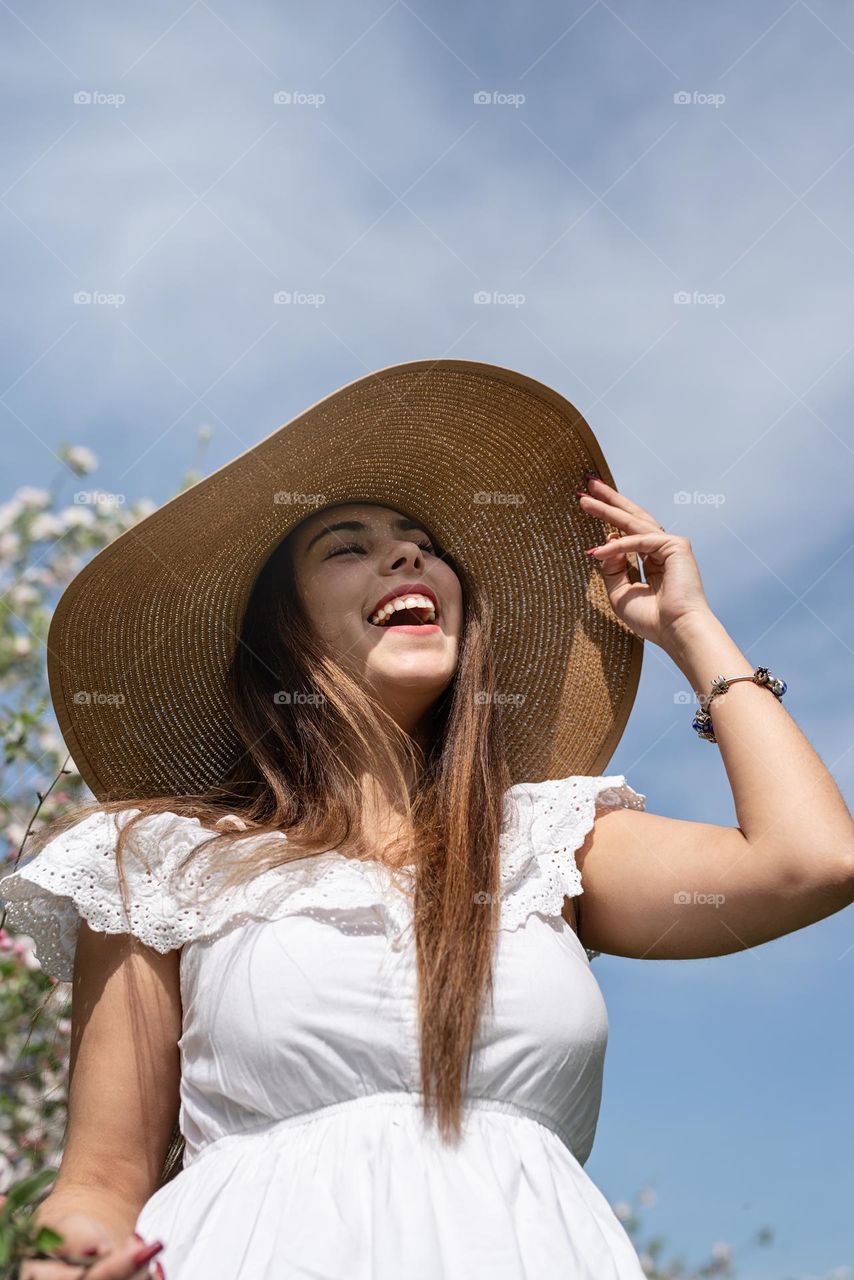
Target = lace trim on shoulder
(75,877)
(547,821)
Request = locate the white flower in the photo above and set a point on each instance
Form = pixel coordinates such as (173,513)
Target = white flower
(25,948)
(81,459)
(22,593)
(721,1252)
(82,517)
(22,646)
(143,507)
(9,513)
(32,498)
(9,544)
(45,526)
(14,833)
(623,1210)
(7,1174)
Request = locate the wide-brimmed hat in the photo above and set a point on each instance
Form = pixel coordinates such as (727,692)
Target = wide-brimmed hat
(487,459)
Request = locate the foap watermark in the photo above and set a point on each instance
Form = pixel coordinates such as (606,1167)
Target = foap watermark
(682,98)
(92,298)
(90,697)
(294,697)
(95,98)
(684,298)
(482,898)
(682,498)
(99,498)
(294,298)
(485,297)
(288,497)
(495,98)
(685,898)
(485,498)
(296,98)
(483,696)
(683,696)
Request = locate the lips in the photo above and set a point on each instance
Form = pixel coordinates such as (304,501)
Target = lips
(406,589)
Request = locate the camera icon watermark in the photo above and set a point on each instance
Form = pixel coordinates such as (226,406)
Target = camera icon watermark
(289,497)
(90,697)
(296,98)
(682,498)
(92,298)
(482,697)
(484,497)
(99,498)
(682,98)
(294,298)
(485,297)
(298,697)
(95,98)
(684,298)
(684,898)
(486,98)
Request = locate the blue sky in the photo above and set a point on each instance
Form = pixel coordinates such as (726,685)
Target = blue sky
(386,194)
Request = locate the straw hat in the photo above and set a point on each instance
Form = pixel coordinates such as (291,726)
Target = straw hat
(489,460)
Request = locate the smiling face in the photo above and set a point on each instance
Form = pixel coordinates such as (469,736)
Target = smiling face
(349,558)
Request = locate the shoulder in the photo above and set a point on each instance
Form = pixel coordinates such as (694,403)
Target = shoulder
(75,876)
(545,825)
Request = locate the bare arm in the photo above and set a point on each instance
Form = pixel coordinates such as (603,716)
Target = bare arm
(664,888)
(124,1079)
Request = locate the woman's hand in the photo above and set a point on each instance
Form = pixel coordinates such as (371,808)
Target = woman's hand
(672,591)
(117,1257)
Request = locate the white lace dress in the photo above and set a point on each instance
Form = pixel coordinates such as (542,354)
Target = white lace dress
(306,1152)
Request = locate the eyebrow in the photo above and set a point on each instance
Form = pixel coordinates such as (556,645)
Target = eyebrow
(356,526)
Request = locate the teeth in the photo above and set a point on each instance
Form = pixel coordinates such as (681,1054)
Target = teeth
(380,618)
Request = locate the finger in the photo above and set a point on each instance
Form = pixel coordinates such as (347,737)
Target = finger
(121,1264)
(643,543)
(606,493)
(612,514)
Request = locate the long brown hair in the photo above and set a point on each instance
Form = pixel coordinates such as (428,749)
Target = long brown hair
(295,774)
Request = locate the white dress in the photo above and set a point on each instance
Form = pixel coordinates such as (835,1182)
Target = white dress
(306,1151)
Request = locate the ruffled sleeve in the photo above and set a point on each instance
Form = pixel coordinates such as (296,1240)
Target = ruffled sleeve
(75,877)
(545,823)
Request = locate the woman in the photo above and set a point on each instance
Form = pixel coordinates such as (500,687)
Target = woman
(352,966)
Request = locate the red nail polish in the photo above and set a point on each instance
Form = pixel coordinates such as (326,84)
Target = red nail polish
(142,1256)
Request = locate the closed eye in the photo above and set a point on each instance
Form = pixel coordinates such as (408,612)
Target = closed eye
(355,546)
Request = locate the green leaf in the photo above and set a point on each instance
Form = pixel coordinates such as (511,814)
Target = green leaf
(27,1191)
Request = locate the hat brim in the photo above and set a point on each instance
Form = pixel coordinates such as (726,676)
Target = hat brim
(488,458)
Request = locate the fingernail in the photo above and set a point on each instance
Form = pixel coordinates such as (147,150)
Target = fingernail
(159,1272)
(90,1253)
(142,1256)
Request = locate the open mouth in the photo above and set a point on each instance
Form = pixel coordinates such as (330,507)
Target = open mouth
(417,616)
(408,609)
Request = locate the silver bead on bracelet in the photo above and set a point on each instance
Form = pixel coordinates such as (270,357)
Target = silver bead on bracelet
(702,721)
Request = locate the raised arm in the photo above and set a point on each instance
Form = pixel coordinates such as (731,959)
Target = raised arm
(665,888)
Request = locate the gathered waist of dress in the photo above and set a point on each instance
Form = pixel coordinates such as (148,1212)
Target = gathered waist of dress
(408,1098)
